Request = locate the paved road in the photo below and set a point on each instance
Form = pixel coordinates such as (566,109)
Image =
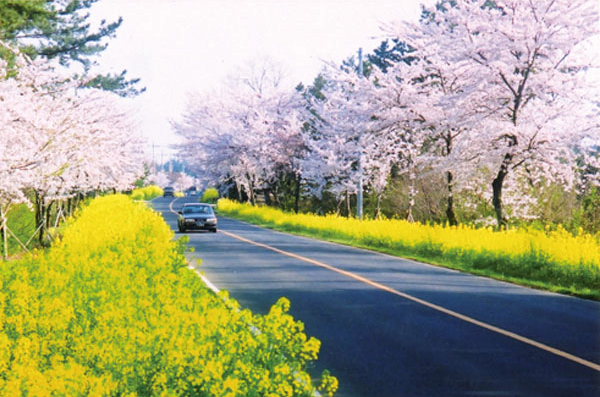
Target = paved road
(452,334)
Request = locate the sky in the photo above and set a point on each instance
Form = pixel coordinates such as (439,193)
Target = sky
(181,46)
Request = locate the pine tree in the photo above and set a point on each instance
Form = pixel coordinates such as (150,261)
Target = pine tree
(58,29)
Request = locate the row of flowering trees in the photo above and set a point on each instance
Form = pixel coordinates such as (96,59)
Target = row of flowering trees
(58,140)
(244,137)
(497,98)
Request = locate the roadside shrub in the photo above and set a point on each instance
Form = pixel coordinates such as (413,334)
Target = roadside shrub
(553,259)
(111,309)
(211,195)
(146,193)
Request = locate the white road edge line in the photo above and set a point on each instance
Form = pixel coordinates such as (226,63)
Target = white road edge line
(216,290)
(204,279)
(433,306)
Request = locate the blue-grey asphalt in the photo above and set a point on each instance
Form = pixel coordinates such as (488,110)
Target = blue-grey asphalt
(380,344)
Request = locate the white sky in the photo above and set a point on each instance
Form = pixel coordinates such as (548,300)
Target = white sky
(179,46)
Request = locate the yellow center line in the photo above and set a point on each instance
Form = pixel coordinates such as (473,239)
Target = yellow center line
(433,306)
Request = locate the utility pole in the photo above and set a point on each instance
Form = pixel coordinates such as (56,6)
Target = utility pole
(153,161)
(359,194)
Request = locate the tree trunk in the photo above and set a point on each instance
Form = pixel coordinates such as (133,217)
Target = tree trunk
(497,197)
(48,215)
(239,192)
(410,217)
(39,216)
(338,207)
(61,207)
(297,193)
(251,197)
(450,202)
(411,196)
(499,181)
(276,199)
(378,210)
(4,222)
(348,204)
(267,197)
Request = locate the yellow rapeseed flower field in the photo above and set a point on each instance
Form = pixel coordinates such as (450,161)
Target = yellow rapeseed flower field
(561,260)
(112,309)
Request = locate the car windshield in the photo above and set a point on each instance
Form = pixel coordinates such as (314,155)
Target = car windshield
(197,209)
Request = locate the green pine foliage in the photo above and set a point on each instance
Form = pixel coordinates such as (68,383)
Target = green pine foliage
(58,29)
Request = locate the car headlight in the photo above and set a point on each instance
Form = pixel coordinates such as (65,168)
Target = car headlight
(212,220)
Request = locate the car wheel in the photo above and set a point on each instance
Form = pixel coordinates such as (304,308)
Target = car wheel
(213,230)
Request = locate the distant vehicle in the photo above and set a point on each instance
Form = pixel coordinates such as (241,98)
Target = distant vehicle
(191,191)
(197,216)
(168,192)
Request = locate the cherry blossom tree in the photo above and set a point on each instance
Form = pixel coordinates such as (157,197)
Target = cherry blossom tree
(211,142)
(411,94)
(248,135)
(519,68)
(493,95)
(260,75)
(363,128)
(59,140)
(160,179)
(32,130)
(184,182)
(242,136)
(344,126)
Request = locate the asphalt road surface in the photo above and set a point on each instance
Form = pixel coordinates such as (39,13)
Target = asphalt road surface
(393,327)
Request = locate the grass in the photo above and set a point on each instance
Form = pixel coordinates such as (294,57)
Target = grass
(21,222)
(550,260)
